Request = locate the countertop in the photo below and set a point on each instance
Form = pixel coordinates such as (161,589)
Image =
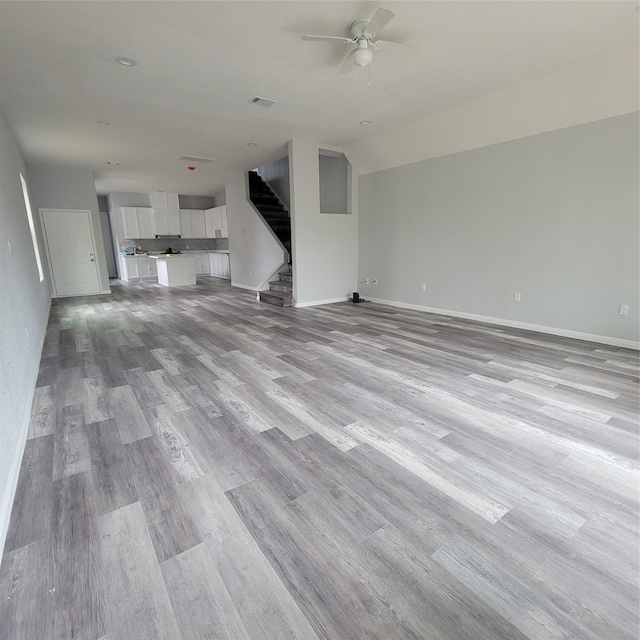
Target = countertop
(152,254)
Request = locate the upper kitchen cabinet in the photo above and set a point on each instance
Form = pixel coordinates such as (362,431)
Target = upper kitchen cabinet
(139,222)
(216,222)
(192,223)
(162,200)
(167,222)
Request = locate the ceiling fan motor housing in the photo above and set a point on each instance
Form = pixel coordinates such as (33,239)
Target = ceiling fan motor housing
(358,28)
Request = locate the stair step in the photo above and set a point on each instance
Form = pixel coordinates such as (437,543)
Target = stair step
(285,276)
(277,298)
(281,285)
(267,198)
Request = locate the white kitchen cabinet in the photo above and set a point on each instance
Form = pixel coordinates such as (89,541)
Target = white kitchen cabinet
(185,223)
(139,222)
(223,221)
(162,200)
(153,268)
(201,261)
(192,223)
(129,268)
(138,268)
(130,222)
(167,222)
(216,222)
(146,222)
(219,265)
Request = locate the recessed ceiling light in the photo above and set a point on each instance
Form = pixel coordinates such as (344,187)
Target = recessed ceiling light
(103,123)
(366,121)
(126,62)
(252,144)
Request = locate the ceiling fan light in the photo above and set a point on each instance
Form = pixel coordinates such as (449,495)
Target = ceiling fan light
(363,57)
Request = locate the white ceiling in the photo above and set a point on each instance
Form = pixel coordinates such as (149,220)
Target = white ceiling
(199,64)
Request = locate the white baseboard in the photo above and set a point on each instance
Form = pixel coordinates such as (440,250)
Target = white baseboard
(515,324)
(9,493)
(244,286)
(315,303)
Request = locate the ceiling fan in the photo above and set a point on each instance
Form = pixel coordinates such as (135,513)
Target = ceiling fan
(363,30)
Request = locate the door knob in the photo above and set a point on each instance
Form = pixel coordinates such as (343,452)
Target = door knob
(92,260)
(91,254)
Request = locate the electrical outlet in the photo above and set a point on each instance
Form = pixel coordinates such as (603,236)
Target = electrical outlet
(375,282)
(516,297)
(423,286)
(9,243)
(624,310)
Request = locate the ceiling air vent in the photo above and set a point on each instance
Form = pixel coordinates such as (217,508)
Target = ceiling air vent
(196,159)
(262,102)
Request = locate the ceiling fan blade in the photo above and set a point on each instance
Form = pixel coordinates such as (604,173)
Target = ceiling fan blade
(345,40)
(380,18)
(396,47)
(349,63)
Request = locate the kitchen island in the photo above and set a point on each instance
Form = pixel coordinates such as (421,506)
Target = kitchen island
(175,270)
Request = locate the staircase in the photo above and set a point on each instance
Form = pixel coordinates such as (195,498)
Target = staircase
(280,290)
(272,209)
(276,215)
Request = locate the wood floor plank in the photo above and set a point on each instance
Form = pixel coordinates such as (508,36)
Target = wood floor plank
(75,555)
(596,599)
(265,606)
(314,419)
(538,619)
(171,528)
(42,422)
(201,603)
(170,436)
(128,415)
(273,413)
(113,483)
(94,400)
(27,594)
(71,447)
(143,389)
(166,389)
(218,452)
(31,515)
(303,564)
(136,601)
(432,601)
(470,495)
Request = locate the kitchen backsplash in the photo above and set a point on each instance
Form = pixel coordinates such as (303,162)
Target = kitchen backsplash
(176,244)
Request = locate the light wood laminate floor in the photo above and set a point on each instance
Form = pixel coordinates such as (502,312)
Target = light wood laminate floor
(200,465)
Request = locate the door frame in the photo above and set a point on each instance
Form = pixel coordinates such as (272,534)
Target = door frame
(52,280)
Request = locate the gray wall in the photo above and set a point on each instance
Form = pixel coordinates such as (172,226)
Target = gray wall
(24,306)
(197,202)
(553,216)
(325,246)
(276,173)
(254,252)
(56,187)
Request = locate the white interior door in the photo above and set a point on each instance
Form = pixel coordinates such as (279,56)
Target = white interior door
(71,251)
